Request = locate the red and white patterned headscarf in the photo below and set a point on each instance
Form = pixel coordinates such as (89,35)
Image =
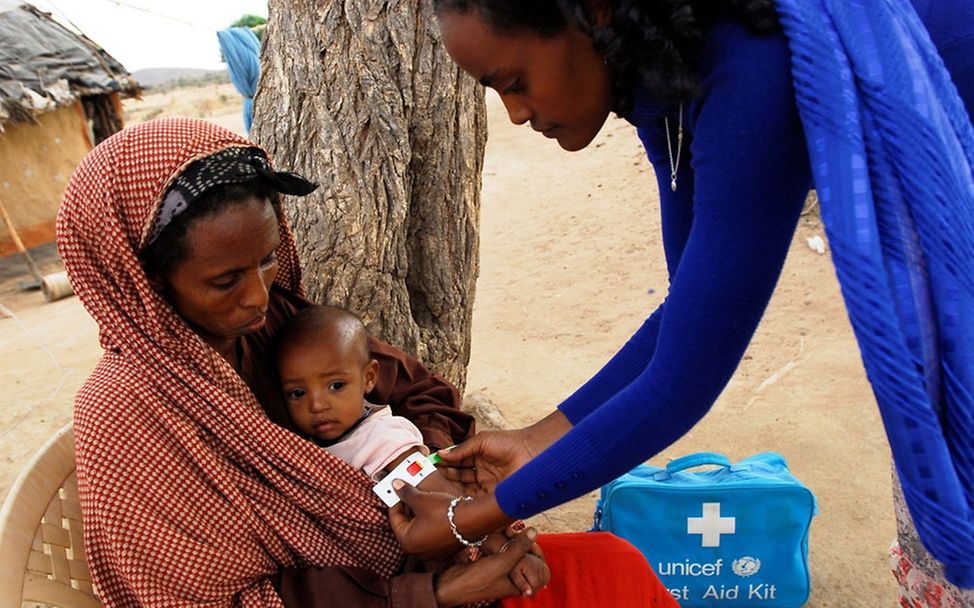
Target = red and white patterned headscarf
(190,495)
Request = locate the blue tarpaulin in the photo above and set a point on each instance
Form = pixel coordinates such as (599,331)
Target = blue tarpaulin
(241,50)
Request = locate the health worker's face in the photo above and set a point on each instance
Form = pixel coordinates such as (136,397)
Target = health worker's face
(559,83)
(221,287)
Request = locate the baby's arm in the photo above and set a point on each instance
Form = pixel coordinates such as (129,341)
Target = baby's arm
(434,482)
(530,573)
(437,482)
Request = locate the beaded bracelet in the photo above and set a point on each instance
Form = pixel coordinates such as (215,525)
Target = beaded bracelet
(453,525)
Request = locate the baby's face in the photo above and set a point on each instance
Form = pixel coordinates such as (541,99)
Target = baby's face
(324,386)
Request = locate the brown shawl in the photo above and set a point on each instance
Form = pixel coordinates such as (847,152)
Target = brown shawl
(191,495)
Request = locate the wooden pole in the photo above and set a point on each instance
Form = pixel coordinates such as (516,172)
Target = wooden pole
(19,244)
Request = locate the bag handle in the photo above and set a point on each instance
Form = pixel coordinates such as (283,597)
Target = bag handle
(695,460)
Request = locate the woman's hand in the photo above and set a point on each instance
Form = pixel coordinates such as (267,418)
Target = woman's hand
(421,525)
(494,576)
(419,522)
(483,461)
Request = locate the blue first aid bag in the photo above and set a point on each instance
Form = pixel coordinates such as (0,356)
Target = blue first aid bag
(735,535)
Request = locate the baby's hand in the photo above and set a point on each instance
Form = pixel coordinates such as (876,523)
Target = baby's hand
(530,574)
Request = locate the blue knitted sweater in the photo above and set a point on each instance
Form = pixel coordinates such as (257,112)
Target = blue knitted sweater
(726,230)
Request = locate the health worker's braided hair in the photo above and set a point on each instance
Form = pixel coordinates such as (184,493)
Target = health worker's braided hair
(652,43)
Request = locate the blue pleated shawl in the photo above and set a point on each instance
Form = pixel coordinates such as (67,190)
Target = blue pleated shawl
(892,151)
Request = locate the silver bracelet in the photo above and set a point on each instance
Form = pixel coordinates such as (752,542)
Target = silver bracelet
(453,524)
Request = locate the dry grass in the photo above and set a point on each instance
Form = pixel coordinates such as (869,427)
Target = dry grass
(200,101)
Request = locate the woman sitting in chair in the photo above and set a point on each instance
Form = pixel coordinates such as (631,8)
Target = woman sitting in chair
(193,490)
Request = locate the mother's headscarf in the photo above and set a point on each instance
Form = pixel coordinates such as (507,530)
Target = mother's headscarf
(190,494)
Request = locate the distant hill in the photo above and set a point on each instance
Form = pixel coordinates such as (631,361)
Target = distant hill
(153,77)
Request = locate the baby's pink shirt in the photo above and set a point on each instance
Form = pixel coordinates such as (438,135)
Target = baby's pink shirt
(378,440)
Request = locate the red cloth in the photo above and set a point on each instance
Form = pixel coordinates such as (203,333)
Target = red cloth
(591,569)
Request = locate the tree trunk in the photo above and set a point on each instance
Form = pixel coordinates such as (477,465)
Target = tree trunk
(360,96)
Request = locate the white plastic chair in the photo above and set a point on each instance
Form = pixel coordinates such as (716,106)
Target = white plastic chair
(42,557)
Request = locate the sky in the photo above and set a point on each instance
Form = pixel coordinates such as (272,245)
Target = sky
(155,33)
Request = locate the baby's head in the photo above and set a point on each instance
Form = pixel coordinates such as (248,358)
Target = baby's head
(326,369)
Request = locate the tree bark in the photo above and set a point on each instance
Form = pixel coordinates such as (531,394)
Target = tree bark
(360,96)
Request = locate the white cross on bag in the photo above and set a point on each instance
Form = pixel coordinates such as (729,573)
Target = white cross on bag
(711,525)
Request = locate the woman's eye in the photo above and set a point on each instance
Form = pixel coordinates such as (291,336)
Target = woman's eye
(296,393)
(226,282)
(513,87)
(269,261)
(336,386)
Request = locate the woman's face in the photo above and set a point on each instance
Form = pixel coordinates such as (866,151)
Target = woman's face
(558,83)
(221,286)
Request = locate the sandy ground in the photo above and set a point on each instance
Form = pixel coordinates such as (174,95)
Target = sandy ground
(571,264)
(209,101)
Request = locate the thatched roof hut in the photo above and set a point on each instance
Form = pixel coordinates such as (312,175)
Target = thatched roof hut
(60,94)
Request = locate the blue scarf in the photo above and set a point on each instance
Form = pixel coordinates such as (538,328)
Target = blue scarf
(241,52)
(892,151)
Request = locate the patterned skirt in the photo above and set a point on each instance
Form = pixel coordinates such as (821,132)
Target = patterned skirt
(919,574)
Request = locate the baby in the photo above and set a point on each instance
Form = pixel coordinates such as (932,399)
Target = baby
(326,369)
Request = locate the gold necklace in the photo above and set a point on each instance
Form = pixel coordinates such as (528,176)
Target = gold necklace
(674,162)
